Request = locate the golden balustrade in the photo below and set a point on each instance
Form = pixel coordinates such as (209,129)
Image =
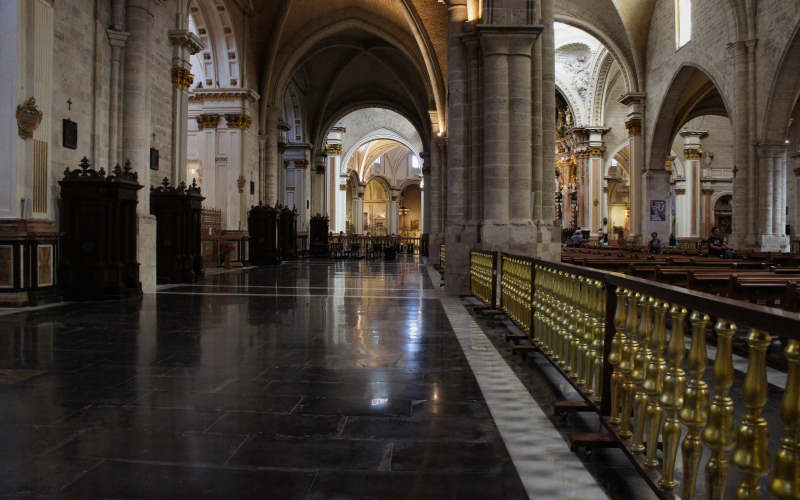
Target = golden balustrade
(621,342)
(482,273)
(442,257)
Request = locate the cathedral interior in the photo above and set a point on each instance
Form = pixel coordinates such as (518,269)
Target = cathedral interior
(396,249)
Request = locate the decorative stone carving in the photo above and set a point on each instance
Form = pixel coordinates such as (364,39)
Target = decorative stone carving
(240,183)
(207,121)
(596,151)
(333,149)
(241,121)
(185,38)
(693,153)
(634,127)
(28,118)
(182,78)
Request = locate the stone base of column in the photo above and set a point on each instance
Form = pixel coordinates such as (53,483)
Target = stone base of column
(775,243)
(548,242)
(434,240)
(460,239)
(146,252)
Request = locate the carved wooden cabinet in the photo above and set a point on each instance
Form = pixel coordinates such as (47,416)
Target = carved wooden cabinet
(262,224)
(98,221)
(178,210)
(287,233)
(318,230)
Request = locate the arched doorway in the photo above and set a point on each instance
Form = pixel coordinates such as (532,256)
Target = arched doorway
(376,207)
(411,211)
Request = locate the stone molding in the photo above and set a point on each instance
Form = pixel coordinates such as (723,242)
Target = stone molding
(771,150)
(207,121)
(203,95)
(186,39)
(117,38)
(506,39)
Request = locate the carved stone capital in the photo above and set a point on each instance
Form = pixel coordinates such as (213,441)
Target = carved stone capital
(596,151)
(186,39)
(634,127)
(117,38)
(182,78)
(207,121)
(333,149)
(241,121)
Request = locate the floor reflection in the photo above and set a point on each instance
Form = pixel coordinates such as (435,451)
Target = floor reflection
(308,380)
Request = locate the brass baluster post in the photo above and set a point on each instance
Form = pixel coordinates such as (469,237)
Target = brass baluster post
(672,396)
(785,479)
(640,362)
(695,404)
(615,355)
(752,437)
(626,365)
(718,434)
(654,381)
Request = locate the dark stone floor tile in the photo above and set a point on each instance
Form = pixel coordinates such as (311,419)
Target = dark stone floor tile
(276,425)
(226,401)
(340,454)
(449,429)
(140,444)
(355,407)
(417,486)
(151,481)
(42,477)
(430,408)
(438,456)
(142,417)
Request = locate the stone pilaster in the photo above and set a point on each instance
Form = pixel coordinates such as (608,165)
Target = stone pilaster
(270,190)
(358,210)
(426,190)
(593,180)
(393,217)
(184,43)
(633,124)
(795,167)
(772,197)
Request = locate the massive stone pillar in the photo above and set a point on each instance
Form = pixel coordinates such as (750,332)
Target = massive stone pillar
(507,147)
(593,178)
(136,130)
(633,123)
(457,235)
(795,222)
(317,185)
(435,186)
(117,38)
(772,197)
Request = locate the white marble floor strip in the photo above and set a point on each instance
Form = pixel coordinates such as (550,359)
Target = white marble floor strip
(546,466)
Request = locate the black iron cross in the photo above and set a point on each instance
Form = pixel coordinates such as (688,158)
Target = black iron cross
(69,104)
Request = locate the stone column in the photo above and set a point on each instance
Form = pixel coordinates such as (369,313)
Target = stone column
(426,193)
(548,242)
(693,154)
(456,234)
(772,197)
(270,189)
(594,178)
(393,217)
(433,184)
(208,123)
(796,195)
(185,44)
(117,39)
(136,130)
(633,123)
(317,193)
(507,148)
(241,123)
(358,210)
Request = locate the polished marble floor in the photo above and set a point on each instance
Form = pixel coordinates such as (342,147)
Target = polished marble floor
(307,380)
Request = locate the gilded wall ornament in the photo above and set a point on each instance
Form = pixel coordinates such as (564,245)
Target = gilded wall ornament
(241,121)
(28,118)
(333,149)
(207,121)
(182,78)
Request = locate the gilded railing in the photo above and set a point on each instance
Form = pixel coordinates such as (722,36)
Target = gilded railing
(442,257)
(516,285)
(622,342)
(482,273)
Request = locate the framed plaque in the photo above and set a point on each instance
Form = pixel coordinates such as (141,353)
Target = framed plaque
(69,134)
(153,159)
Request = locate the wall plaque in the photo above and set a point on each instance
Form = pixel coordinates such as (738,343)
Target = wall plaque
(69,134)
(153,159)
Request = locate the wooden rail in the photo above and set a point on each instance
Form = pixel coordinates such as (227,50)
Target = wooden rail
(620,341)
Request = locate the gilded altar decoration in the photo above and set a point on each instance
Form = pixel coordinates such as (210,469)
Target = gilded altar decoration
(28,118)
(182,78)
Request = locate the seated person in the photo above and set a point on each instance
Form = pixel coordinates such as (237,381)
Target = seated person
(576,239)
(717,246)
(654,246)
(673,241)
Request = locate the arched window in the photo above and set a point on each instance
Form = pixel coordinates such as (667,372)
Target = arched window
(683,22)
